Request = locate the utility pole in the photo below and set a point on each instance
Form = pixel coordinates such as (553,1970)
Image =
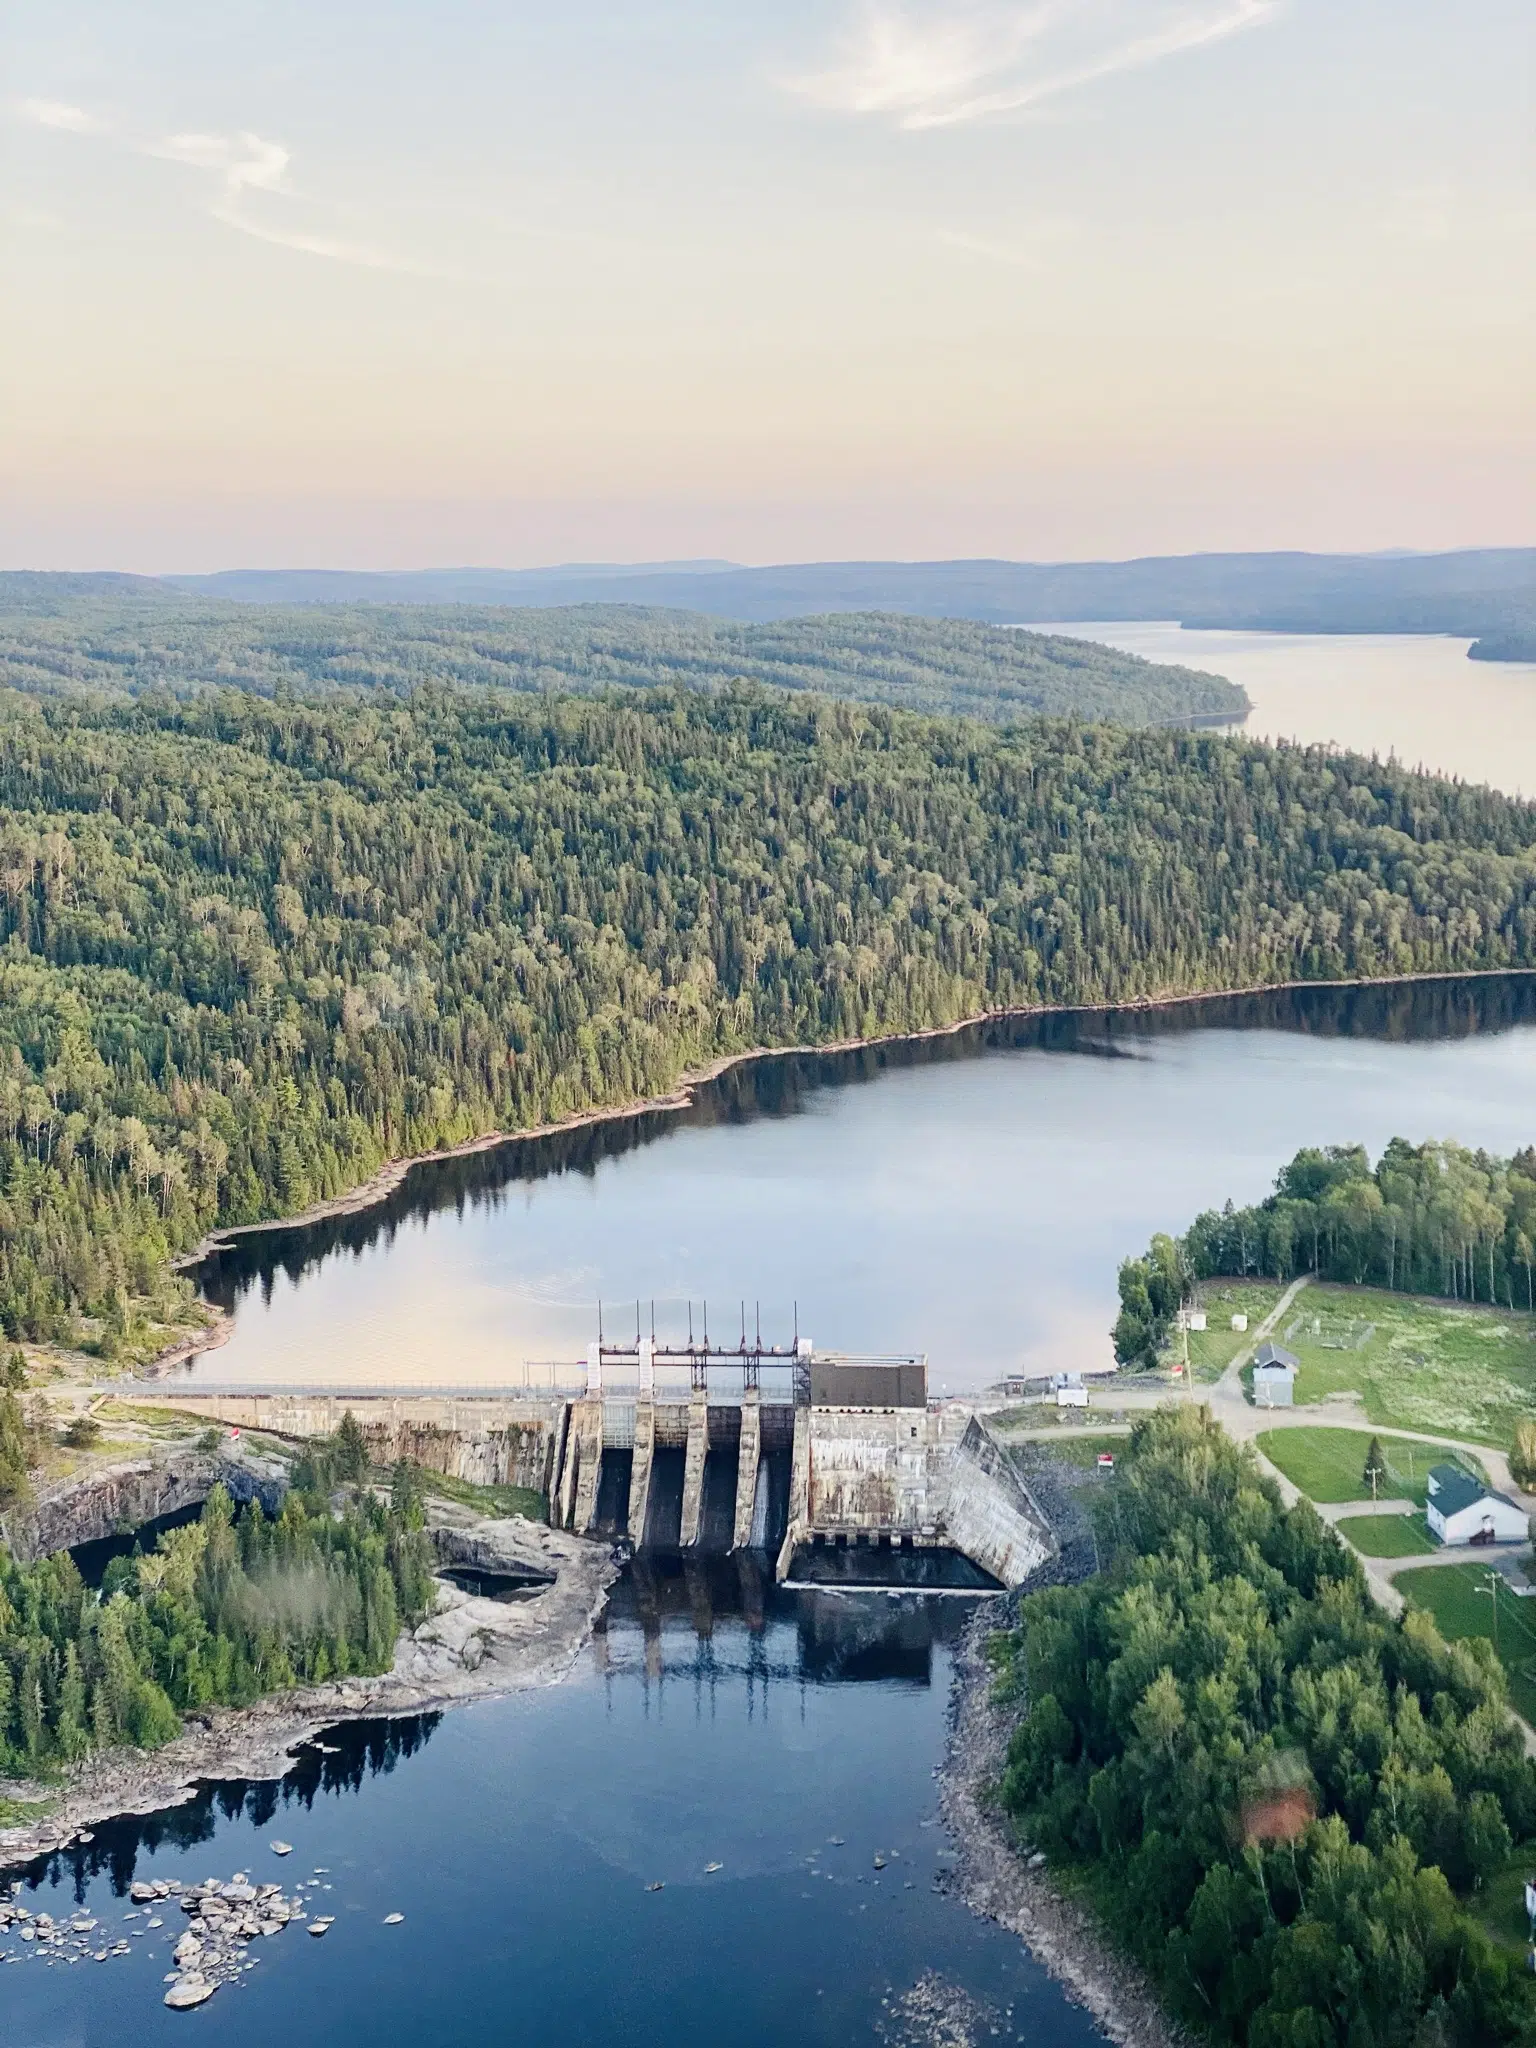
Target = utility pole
(1490,1586)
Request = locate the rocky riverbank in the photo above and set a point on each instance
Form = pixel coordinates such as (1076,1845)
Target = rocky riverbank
(469,1649)
(999,1879)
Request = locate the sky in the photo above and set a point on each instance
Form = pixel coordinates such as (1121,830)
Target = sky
(314,283)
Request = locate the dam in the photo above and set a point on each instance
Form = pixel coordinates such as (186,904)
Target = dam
(832,1464)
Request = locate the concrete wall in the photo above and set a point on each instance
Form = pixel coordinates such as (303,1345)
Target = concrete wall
(490,1442)
(932,1476)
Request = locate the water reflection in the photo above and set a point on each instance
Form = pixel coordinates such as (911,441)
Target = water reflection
(341,1761)
(970,1196)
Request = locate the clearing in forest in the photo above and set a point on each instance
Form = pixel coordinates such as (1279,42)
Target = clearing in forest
(1328,1465)
(1459,1598)
(1416,1363)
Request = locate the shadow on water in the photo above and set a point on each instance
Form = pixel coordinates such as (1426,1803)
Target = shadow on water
(781,1085)
(91,1559)
(668,1616)
(687,1615)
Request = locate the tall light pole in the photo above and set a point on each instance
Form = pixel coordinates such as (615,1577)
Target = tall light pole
(1490,1586)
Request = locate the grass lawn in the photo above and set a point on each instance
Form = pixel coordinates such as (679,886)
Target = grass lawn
(1450,1593)
(1329,1464)
(1499,1908)
(1388,1535)
(1212,1350)
(1084,1450)
(1425,1364)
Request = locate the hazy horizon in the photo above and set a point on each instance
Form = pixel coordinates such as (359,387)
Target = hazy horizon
(314,286)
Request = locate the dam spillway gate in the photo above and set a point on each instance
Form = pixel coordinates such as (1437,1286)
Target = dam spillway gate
(792,1453)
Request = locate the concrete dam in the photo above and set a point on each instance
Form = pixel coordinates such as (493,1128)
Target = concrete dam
(838,1468)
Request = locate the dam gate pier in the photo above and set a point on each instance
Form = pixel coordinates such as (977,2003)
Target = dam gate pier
(706,1450)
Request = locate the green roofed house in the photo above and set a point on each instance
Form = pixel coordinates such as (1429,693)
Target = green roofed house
(1460,1509)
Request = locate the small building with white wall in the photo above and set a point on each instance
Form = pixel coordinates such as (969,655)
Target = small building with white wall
(1274,1376)
(1460,1509)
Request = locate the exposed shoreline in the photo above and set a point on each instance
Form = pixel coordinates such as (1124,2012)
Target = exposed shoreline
(534,1644)
(996,1883)
(381,1185)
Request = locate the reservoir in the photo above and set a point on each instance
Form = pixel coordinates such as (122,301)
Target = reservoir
(1415,695)
(969,1196)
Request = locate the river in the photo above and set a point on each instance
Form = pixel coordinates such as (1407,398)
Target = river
(713,1721)
(970,1197)
(1414,695)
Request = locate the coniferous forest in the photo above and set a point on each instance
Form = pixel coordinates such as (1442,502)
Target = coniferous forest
(218,1614)
(69,634)
(1276,1796)
(250,949)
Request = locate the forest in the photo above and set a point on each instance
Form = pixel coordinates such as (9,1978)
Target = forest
(219,1613)
(116,642)
(250,949)
(1486,594)
(1426,1219)
(1279,1800)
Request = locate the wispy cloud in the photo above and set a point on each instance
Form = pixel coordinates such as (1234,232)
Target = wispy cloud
(934,63)
(247,184)
(1029,248)
(58,114)
(248,164)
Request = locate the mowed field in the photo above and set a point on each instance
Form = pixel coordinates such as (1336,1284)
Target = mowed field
(1451,1370)
(1388,1535)
(1328,1465)
(1457,1596)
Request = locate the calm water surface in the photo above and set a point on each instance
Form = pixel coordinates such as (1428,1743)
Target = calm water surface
(970,1198)
(1414,695)
(714,1720)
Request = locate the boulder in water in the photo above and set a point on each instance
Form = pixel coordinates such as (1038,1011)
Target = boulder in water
(189,1991)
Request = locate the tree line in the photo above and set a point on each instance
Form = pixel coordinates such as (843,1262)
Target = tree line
(1426,1219)
(114,643)
(1277,1799)
(219,1613)
(251,949)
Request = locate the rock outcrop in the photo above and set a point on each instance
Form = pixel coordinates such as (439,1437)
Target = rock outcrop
(106,1499)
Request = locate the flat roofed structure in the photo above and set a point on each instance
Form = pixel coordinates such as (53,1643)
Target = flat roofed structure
(838,1381)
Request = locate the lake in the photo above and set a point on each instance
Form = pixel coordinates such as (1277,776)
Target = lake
(1413,695)
(970,1197)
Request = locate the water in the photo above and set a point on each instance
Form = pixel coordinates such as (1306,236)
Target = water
(714,1720)
(969,1197)
(1414,695)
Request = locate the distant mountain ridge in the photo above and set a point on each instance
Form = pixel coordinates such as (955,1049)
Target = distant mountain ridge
(1484,594)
